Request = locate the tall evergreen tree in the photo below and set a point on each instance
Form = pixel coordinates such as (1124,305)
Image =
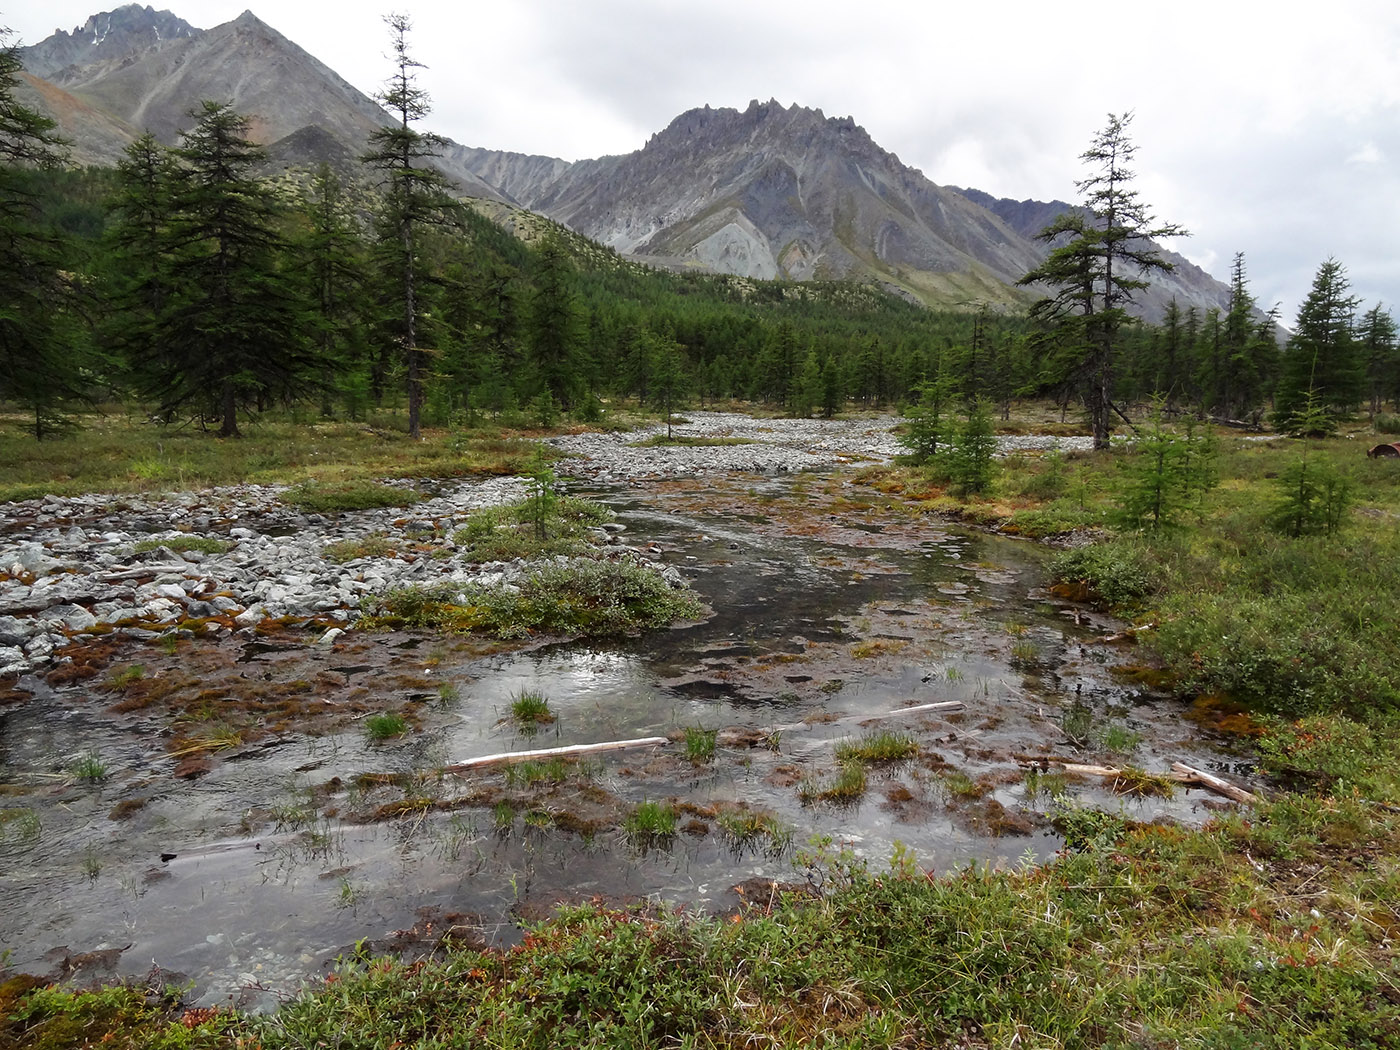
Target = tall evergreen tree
(1246,354)
(1099,264)
(334,271)
(39,363)
(556,324)
(1376,335)
(1322,358)
(138,278)
(415,195)
(231,333)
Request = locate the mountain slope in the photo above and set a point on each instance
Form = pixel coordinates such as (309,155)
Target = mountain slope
(778,191)
(134,85)
(771,191)
(775,191)
(111,36)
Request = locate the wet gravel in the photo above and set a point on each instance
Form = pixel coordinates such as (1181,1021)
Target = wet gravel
(761,446)
(70,566)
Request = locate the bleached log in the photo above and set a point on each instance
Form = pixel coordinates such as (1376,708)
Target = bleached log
(1180,772)
(1196,776)
(554,752)
(1130,634)
(942,705)
(1090,771)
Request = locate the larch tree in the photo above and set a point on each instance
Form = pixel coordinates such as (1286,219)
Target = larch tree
(138,280)
(1377,335)
(414,196)
(39,367)
(231,334)
(1098,262)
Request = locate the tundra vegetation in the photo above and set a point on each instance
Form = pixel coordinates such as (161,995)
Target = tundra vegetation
(1259,575)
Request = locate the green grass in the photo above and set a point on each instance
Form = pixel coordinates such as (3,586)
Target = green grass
(376,545)
(90,768)
(879,747)
(744,828)
(700,744)
(113,453)
(846,787)
(530,710)
(582,598)
(333,497)
(509,532)
(126,676)
(204,544)
(531,772)
(651,824)
(386,725)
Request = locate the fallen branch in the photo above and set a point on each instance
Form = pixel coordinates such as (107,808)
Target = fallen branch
(942,705)
(1180,772)
(1130,633)
(798,727)
(553,752)
(1196,776)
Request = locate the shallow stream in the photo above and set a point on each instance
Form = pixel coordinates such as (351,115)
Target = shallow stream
(252,869)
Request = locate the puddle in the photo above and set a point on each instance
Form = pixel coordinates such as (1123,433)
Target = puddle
(248,861)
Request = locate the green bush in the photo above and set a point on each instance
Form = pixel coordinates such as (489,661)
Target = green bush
(1118,573)
(581,597)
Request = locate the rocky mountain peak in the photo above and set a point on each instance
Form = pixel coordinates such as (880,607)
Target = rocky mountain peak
(116,34)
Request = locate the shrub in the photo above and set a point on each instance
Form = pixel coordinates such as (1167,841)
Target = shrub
(1117,573)
(970,462)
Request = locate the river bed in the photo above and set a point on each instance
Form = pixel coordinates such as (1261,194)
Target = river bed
(248,869)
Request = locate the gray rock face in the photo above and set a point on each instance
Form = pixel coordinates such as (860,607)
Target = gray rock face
(778,191)
(111,36)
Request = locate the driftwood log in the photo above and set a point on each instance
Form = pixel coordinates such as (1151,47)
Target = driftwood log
(554,752)
(1180,772)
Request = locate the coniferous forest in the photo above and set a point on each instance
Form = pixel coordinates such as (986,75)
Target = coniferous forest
(193,282)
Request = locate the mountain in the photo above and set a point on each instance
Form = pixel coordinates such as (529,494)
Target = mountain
(776,191)
(151,70)
(770,191)
(1187,283)
(110,36)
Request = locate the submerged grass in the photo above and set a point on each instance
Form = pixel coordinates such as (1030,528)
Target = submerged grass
(1143,937)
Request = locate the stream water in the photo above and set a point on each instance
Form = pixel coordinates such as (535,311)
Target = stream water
(828,609)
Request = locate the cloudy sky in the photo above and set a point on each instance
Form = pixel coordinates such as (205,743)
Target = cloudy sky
(1267,128)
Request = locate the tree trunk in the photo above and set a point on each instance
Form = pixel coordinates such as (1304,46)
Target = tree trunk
(229,401)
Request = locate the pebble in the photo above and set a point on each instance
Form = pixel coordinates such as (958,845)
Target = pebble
(68,564)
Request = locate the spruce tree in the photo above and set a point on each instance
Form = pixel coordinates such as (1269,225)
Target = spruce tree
(414,196)
(231,334)
(1322,375)
(40,364)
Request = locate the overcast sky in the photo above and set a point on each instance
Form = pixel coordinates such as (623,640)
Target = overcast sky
(1268,128)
